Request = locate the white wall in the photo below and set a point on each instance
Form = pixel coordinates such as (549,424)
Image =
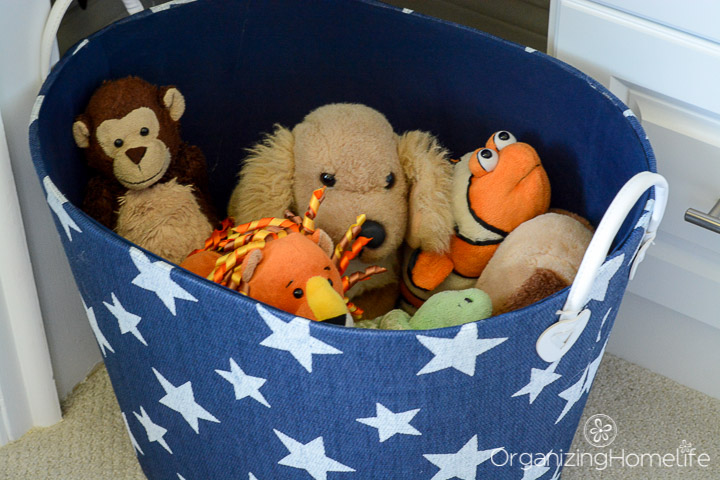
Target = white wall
(71,342)
(667,342)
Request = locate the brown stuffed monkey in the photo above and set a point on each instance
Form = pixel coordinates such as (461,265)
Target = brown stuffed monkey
(146,183)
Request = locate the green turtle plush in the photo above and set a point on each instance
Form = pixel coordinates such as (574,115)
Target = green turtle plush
(444,309)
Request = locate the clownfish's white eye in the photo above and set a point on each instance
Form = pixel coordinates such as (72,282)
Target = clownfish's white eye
(503,139)
(488,159)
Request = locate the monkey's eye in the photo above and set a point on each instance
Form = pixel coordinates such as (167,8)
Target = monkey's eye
(144,131)
(298,293)
(389,181)
(327,179)
(119,143)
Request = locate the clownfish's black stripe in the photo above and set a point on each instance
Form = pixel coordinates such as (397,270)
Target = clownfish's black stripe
(479,220)
(455,272)
(479,243)
(411,267)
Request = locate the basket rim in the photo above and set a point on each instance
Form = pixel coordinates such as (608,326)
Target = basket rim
(75,53)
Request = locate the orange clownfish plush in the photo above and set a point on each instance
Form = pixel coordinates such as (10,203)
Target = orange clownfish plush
(495,189)
(286,263)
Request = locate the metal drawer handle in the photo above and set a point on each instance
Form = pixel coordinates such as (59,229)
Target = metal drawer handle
(710,220)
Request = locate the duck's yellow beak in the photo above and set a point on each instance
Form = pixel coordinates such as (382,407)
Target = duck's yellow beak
(325,302)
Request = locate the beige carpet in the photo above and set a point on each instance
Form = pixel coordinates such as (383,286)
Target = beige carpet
(652,415)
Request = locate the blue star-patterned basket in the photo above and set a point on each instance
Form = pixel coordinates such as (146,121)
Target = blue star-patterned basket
(213,385)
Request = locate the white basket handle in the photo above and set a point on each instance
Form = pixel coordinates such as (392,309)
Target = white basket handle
(557,340)
(52,24)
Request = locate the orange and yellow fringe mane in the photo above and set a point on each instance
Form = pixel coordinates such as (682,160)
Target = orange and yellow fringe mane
(236,242)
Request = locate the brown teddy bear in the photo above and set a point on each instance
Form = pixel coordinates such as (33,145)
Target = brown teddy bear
(538,258)
(146,183)
(401,182)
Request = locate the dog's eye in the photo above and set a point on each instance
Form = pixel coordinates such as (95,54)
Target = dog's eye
(327,179)
(389,181)
(118,143)
(298,293)
(144,131)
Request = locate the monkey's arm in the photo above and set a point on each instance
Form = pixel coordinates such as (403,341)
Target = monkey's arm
(191,169)
(101,201)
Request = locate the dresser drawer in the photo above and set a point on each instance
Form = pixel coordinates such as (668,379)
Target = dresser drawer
(607,43)
(669,79)
(696,17)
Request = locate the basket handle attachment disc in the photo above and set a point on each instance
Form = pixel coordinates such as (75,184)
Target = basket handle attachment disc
(559,338)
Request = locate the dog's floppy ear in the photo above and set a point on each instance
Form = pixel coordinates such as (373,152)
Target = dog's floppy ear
(265,184)
(426,165)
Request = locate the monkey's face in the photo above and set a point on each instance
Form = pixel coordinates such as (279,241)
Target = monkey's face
(139,158)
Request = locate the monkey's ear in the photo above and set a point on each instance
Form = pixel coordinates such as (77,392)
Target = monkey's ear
(81,132)
(174,102)
(250,263)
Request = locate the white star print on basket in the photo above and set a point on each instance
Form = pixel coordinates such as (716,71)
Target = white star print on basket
(155,433)
(460,352)
(101,340)
(245,385)
(155,277)
(127,321)
(55,201)
(182,400)
(463,464)
(310,457)
(389,423)
(294,337)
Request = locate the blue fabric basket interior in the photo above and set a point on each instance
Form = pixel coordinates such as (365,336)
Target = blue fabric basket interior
(213,385)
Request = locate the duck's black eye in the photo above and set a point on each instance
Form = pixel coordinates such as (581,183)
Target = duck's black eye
(327,179)
(389,181)
(298,293)
(330,282)
(144,131)
(119,143)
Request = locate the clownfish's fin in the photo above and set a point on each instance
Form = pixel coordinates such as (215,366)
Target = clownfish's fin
(427,270)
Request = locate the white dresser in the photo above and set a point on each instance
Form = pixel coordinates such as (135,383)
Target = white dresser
(662,58)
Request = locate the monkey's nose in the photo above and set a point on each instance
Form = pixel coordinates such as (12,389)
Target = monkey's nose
(136,154)
(375,232)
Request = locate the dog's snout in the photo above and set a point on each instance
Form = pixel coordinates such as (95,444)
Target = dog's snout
(374,231)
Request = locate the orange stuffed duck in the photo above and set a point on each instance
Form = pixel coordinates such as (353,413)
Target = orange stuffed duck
(495,189)
(286,263)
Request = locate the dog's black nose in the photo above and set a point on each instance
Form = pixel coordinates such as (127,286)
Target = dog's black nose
(375,232)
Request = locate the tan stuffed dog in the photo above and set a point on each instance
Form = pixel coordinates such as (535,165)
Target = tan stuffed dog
(402,183)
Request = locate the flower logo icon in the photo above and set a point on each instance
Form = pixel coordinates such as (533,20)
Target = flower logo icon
(600,430)
(685,447)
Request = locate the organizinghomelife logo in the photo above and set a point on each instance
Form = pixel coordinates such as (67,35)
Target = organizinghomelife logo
(600,431)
